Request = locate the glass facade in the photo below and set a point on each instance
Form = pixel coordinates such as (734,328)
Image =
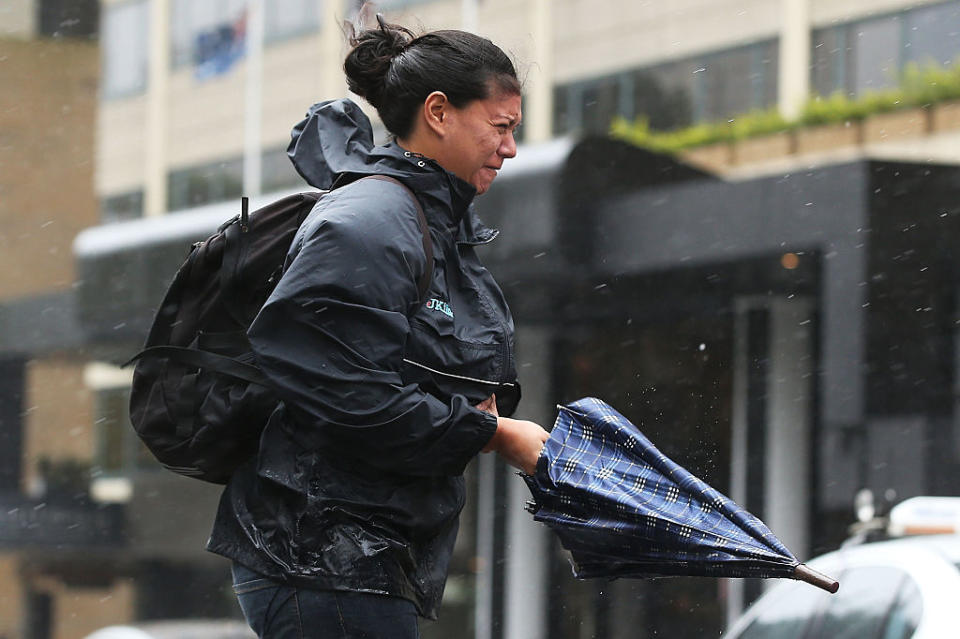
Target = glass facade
(854,58)
(123,206)
(119,450)
(278,173)
(193,186)
(707,87)
(870,55)
(284,19)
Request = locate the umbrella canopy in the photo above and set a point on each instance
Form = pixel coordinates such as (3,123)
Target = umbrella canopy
(624,509)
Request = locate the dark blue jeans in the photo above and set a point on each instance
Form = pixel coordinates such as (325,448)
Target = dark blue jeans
(277,611)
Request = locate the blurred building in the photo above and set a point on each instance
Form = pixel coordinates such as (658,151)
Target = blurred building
(51,533)
(783,324)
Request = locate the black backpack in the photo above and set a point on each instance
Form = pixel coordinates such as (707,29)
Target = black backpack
(198,400)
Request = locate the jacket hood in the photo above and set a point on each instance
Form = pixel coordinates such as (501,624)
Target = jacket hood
(333,144)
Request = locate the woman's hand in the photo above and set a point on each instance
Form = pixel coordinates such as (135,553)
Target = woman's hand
(518,441)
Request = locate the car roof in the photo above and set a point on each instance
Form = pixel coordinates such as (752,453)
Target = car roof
(947,547)
(180,629)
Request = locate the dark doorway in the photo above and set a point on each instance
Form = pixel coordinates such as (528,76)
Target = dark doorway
(673,379)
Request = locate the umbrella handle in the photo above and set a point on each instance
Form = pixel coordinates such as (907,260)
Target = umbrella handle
(811,576)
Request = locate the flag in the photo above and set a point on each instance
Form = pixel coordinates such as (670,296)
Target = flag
(217,49)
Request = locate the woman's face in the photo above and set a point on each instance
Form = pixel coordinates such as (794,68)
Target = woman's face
(480,138)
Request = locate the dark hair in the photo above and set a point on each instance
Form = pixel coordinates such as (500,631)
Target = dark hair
(395,71)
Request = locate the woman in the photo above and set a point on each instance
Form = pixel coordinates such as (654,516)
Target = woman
(344,524)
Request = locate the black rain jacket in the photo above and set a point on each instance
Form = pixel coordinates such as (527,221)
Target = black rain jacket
(358,483)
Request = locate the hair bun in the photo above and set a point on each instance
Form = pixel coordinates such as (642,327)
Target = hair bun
(368,62)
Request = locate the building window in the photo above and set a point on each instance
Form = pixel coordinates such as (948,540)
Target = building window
(829,60)
(68,18)
(12,393)
(931,35)
(729,83)
(662,96)
(118,449)
(285,19)
(870,55)
(215,182)
(125,41)
(278,172)
(599,104)
(708,87)
(876,54)
(125,206)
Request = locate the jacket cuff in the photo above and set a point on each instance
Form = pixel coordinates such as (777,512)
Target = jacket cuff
(482,433)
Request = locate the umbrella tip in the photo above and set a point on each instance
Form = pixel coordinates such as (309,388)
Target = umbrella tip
(811,576)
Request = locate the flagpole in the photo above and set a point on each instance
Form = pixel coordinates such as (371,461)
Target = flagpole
(468,15)
(253,100)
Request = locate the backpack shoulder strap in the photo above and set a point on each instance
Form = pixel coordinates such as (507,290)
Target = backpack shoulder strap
(423,284)
(204,359)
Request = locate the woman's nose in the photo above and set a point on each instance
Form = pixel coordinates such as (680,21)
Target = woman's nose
(508,148)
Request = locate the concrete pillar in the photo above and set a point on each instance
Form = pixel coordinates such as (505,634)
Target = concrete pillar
(253,100)
(158,78)
(789,419)
(772,414)
(794,76)
(486,547)
(538,116)
(956,380)
(527,542)
(469,15)
(739,442)
(332,50)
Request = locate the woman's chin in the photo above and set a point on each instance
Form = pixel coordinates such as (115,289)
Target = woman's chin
(482,186)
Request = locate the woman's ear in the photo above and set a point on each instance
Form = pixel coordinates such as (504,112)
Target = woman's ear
(436,109)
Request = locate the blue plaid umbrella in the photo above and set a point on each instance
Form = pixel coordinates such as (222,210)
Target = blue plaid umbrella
(624,509)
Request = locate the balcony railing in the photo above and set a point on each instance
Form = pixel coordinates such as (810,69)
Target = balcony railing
(63,524)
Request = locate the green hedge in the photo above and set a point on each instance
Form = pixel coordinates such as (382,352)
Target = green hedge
(918,87)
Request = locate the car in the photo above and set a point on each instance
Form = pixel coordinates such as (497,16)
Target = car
(906,587)
(178,629)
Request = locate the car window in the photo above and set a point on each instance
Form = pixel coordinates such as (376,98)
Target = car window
(905,615)
(866,598)
(786,613)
